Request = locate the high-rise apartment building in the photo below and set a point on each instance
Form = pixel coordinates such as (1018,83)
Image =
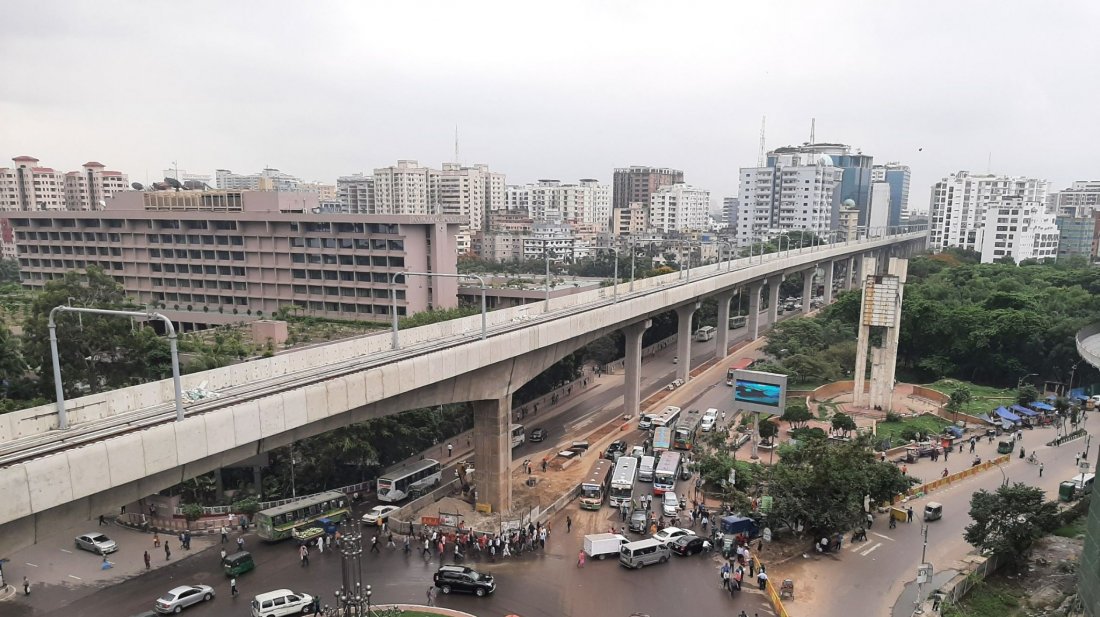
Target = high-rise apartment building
(856,168)
(795,190)
(1077,236)
(356,193)
(267,180)
(585,203)
(636,184)
(27,186)
(897,176)
(632,220)
(410,188)
(1079,200)
(729,213)
(679,207)
(1018,227)
(405,188)
(959,203)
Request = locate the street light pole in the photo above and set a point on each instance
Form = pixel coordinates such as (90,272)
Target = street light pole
(546,254)
(395,343)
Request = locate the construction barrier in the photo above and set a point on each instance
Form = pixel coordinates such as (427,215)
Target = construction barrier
(955,477)
(769,589)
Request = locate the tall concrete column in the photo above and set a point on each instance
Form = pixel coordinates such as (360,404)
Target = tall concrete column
(773,300)
(723,325)
(807,288)
(827,295)
(850,274)
(632,388)
(493,452)
(753,321)
(683,339)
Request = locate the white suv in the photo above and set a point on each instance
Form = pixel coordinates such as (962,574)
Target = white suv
(281,602)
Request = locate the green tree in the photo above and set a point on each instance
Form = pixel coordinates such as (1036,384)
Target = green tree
(9,271)
(97,352)
(1027,394)
(768,430)
(844,422)
(797,414)
(1009,520)
(959,397)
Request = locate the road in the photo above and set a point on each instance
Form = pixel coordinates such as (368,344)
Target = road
(875,573)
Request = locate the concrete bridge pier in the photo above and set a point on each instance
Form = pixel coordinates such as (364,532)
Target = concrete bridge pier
(807,288)
(684,313)
(827,295)
(723,324)
(850,274)
(773,299)
(632,387)
(752,324)
(493,452)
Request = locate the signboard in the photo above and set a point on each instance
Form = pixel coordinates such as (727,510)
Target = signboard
(484,507)
(733,477)
(449,520)
(760,392)
(767,534)
(924,573)
(429,521)
(765,503)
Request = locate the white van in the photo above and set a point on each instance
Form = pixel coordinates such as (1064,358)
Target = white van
(281,602)
(710,418)
(643,553)
(645,468)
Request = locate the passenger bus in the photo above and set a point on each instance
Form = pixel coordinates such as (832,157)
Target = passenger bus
(594,487)
(668,417)
(518,435)
(740,365)
(397,483)
(705,333)
(738,321)
(622,481)
(668,470)
(662,439)
(683,436)
(279,523)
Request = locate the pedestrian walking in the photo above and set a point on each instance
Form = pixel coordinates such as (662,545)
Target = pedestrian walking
(569,519)
(374,545)
(223,554)
(156,540)
(240,543)
(233,587)
(450,449)
(225,534)
(580,558)
(316,605)
(431,596)
(1078,463)
(303,555)
(102,520)
(909,514)
(762,580)
(167,551)
(146,558)
(26,586)
(1040,470)
(945,452)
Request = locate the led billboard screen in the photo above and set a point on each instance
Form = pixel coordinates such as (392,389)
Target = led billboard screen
(760,392)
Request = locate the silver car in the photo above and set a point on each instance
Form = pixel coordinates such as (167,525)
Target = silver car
(96,543)
(181,597)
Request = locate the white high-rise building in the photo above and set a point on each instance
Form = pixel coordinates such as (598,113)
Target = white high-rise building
(409,188)
(1079,200)
(92,186)
(405,188)
(27,186)
(679,207)
(959,203)
(585,203)
(800,191)
(267,180)
(1020,228)
(356,193)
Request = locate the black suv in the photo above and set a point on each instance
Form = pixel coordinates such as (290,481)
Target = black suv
(537,434)
(460,578)
(615,450)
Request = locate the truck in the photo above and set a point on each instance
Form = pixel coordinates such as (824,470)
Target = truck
(600,545)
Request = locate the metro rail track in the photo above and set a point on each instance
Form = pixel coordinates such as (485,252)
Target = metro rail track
(28,448)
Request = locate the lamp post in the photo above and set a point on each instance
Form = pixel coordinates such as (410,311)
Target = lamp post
(779,248)
(1020,381)
(396,344)
(351,597)
(546,254)
(62,416)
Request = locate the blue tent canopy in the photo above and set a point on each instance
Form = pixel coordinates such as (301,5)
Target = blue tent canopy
(985,417)
(1007,415)
(1080,397)
(1042,406)
(1023,411)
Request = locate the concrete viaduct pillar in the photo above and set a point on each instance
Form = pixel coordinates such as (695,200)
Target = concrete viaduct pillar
(753,321)
(493,452)
(827,295)
(850,274)
(773,299)
(684,313)
(723,324)
(807,288)
(632,388)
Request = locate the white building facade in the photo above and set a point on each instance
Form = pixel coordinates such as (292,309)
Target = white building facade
(800,192)
(959,203)
(28,186)
(267,180)
(585,203)
(1019,228)
(1080,200)
(679,207)
(356,193)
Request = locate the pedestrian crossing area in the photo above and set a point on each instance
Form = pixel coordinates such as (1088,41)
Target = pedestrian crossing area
(874,542)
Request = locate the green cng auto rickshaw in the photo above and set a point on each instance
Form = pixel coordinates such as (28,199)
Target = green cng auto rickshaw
(238,563)
(1006,446)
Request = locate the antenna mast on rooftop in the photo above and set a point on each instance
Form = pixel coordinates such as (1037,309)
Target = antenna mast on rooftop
(813,126)
(456,144)
(760,156)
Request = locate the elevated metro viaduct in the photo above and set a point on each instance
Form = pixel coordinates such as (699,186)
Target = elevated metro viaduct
(126,444)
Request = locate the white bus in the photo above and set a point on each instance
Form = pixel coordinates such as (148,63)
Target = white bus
(705,333)
(668,417)
(518,435)
(397,483)
(668,470)
(622,481)
(738,321)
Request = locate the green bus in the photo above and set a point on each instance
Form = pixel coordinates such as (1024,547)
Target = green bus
(279,523)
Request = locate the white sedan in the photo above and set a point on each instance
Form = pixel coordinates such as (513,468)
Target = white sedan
(668,534)
(379,514)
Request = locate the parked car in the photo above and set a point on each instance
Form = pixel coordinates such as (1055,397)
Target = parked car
(537,434)
(181,597)
(96,543)
(461,578)
(615,450)
(668,534)
(687,545)
(378,514)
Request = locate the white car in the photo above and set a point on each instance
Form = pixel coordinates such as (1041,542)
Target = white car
(670,504)
(181,597)
(668,534)
(379,514)
(96,543)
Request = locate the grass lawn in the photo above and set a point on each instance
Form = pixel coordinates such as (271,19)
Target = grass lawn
(992,598)
(984,398)
(924,424)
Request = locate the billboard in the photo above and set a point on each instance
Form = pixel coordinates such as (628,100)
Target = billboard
(760,392)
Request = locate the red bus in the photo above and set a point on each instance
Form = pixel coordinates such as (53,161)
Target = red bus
(740,365)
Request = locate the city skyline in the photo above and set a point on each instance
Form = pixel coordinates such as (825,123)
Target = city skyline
(342,106)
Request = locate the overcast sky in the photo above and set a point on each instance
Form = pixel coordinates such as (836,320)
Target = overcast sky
(551,89)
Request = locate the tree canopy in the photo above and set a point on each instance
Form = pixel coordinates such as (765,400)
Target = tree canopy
(1009,520)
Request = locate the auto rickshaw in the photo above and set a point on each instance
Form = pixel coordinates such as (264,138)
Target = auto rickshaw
(1006,446)
(933,511)
(911,455)
(238,563)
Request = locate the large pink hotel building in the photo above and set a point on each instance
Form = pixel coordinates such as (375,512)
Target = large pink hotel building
(209,257)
